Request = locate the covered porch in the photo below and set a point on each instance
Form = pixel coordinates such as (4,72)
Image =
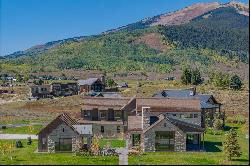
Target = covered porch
(195,141)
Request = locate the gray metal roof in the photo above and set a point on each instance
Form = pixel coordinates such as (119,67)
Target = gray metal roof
(109,94)
(88,81)
(182,93)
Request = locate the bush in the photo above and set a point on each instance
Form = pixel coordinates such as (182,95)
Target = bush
(29,141)
(218,124)
(213,132)
(95,146)
(236,120)
(19,144)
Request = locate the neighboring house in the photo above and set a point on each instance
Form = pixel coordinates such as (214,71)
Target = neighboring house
(208,103)
(92,84)
(54,89)
(157,124)
(64,134)
(64,89)
(105,114)
(40,91)
(123,85)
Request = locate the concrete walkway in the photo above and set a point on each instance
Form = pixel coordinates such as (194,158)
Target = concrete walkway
(17,136)
(123,155)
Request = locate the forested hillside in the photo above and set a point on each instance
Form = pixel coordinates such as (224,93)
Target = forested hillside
(219,36)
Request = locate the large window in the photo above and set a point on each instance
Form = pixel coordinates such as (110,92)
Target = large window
(64,145)
(164,140)
(103,115)
(86,114)
(117,115)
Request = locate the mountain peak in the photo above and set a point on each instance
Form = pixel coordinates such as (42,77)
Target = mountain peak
(240,7)
(186,14)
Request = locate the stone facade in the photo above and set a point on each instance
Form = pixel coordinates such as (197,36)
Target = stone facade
(63,131)
(110,130)
(164,125)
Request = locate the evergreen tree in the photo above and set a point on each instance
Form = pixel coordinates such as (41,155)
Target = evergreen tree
(235,82)
(186,76)
(196,77)
(231,146)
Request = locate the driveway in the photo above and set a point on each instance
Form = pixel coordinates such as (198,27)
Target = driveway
(17,136)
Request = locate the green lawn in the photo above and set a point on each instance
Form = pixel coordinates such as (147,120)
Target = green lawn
(214,154)
(22,130)
(113,143)
(26,156)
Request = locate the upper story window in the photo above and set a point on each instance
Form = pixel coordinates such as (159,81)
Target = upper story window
(86,113)
(195,115)
(103,114)
(117,114)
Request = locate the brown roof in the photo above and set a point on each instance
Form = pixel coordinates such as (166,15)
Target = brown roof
(169,104)
(83,121)
(104,103)
(156,104)
(57,121)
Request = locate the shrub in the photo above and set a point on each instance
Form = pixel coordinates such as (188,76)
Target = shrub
(235,82)
(95,146)
(236,120)
(218,124)
(29,141)
(19,144)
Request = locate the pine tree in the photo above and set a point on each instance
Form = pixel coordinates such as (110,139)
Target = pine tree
(231,146)
(195,77)
(186,76)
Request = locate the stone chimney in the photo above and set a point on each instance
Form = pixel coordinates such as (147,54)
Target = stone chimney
(145,117)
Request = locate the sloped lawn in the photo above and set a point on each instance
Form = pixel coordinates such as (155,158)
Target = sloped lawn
(27,156)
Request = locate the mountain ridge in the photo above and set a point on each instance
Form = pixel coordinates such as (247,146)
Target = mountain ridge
(178,17)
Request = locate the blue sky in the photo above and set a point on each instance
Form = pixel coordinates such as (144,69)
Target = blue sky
(25,23)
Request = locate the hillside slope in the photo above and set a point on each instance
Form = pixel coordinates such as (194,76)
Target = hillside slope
(206,35)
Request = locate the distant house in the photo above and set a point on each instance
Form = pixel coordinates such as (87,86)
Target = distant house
(40,91)
(64,89)
(64,134)
(123,85)
(208,103)
(91,84)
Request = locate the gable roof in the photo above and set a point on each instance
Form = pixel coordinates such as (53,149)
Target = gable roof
(160,104)
(57,121)
(129,104)
(184,126)
(88,81)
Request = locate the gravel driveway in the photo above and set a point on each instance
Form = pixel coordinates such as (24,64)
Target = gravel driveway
(17,136)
